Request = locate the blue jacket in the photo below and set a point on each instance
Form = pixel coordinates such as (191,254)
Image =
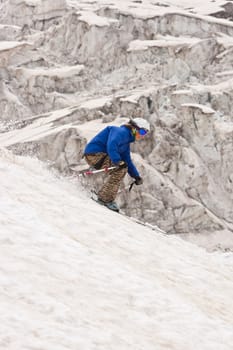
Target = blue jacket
(115,141)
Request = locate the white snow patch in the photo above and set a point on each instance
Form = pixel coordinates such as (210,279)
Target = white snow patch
(166,41)
(8,45)
(93,19)
(204,109)
(61,72)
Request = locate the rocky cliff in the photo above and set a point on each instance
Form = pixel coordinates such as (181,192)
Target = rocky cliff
(68,69)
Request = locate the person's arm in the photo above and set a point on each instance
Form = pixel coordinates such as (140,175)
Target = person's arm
(132,170)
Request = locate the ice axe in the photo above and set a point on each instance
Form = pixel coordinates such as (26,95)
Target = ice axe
(94,171)
(91,171)
(131,185)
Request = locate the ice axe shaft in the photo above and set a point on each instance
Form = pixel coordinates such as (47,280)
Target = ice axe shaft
(131,185)
(93,172)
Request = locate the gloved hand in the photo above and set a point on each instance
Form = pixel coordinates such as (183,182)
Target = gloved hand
(138,180)
(121,164)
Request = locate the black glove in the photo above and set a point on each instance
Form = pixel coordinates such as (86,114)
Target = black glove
(138,180)
(121,164)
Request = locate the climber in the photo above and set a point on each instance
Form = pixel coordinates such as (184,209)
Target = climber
(111,147)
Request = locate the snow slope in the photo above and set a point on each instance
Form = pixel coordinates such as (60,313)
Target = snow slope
(74,275)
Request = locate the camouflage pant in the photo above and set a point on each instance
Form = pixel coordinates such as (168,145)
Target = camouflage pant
(109,190)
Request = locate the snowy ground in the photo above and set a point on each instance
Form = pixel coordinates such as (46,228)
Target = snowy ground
(74,275)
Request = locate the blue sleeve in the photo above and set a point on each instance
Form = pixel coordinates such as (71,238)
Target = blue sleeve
(132,170)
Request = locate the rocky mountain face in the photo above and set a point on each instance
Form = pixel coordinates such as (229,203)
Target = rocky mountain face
(67,69)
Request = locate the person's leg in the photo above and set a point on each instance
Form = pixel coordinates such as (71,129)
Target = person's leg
(109,190)
(98,160)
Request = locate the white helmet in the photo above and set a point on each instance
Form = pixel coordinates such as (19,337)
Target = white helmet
(140,123)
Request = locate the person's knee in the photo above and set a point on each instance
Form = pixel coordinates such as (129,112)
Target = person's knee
(121,172)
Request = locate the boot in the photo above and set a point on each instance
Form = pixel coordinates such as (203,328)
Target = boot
(110,205)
